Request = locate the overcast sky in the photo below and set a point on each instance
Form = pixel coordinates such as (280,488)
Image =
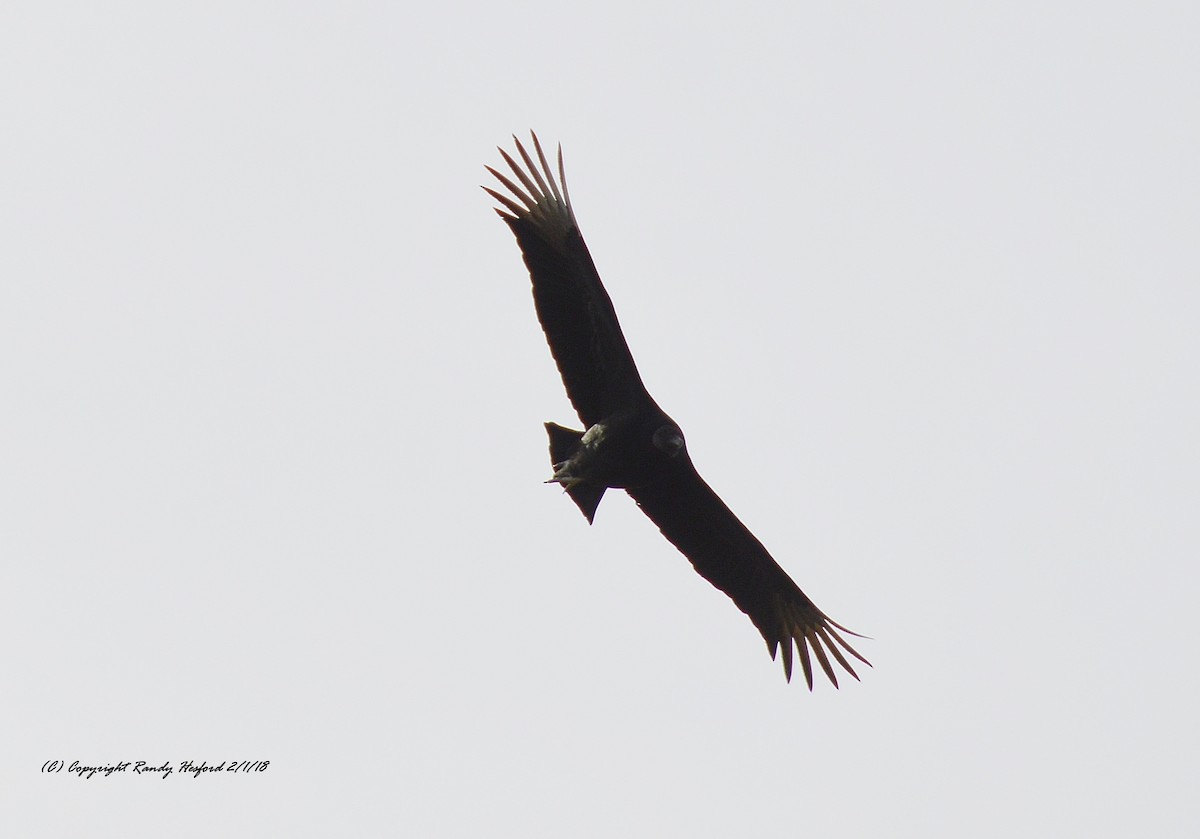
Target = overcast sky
(920,282)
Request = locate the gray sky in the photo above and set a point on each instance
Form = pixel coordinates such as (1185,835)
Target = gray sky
(920,281)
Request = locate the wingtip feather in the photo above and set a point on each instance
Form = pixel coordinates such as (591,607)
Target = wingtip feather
(804,661)
(822,659)
(787,658)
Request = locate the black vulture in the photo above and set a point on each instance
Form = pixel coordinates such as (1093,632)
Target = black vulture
(630,443)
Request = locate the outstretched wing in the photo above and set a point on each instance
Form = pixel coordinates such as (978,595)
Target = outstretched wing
(727,554)
(573,307)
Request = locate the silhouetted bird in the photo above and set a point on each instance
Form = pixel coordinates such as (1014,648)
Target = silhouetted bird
(629,442)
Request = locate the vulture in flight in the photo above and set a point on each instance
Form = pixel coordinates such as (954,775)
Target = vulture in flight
(629,442)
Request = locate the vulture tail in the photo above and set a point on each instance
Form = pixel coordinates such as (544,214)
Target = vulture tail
(564,443)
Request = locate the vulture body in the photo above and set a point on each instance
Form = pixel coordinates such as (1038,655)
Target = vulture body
(629,442)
